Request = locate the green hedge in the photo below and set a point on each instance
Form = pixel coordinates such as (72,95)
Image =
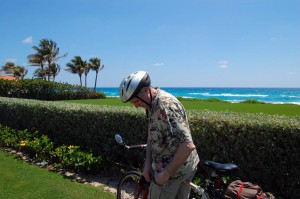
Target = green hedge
(89,126)
(45,90)
(265,147)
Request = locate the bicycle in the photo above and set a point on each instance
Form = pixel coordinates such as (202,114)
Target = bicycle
(133,185)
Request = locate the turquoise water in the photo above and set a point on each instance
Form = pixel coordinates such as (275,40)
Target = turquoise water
(269,95)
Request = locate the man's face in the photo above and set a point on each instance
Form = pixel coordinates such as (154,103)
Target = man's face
(138,103)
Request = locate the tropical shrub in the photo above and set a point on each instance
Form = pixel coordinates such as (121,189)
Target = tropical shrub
(42,148)
(46,90)
(11,138)
(253,102)
(72,157)
(202,100)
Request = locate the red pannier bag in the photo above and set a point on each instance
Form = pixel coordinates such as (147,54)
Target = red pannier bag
(246,190)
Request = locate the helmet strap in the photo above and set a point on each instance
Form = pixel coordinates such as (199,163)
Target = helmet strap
(144,101)
(150,95)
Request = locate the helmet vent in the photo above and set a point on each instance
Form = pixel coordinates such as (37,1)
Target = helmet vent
(128,84)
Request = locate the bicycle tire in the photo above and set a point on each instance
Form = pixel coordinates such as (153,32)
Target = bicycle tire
(128,186)
(196,196)
(205,196)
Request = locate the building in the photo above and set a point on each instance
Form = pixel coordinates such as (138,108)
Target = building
(6,77)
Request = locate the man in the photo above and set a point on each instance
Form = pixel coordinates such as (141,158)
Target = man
(171,156)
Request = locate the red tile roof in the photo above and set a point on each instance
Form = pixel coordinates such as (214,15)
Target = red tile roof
(8,77)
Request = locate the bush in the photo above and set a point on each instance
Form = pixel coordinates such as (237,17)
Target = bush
(201,100)
(253,102)
(265,147)
(46,90)
(72,157)
(11,138)
(42,148)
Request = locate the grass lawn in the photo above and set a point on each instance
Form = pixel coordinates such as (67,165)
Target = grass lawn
(20,180)
(194,104)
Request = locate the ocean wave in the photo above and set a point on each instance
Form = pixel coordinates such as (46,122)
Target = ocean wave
(290,96)
(229,95)
(296,103)
(239,101)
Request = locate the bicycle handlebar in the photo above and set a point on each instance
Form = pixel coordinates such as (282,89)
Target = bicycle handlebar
(136,146)
(119,139)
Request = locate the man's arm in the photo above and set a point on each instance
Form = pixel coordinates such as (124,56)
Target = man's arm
(183,152)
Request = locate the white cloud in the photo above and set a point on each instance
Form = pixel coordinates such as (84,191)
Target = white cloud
(28,40)
(291,73)
(223,64)
(159,64)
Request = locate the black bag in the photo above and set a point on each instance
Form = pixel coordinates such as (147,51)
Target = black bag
(246,190)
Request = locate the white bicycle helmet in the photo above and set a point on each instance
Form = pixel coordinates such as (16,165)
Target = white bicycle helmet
(131,85)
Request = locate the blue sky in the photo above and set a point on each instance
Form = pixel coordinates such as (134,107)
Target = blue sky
(181,43)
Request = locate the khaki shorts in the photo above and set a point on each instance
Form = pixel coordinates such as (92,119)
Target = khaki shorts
(173,189)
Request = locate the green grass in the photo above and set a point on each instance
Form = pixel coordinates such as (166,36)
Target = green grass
(20,180)
(251,106)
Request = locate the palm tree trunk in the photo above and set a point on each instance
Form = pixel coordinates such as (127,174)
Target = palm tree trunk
(96,80)
(85,80)
(49,73)
(80,80)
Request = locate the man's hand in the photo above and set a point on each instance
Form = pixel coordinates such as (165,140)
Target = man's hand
(162,177)
(147,173)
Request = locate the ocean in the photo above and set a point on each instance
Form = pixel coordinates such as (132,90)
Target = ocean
(268,95)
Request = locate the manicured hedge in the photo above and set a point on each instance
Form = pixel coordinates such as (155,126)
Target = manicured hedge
(45,90)
(265,147)
(89,126)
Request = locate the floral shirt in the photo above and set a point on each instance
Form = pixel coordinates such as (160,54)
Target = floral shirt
(168,127)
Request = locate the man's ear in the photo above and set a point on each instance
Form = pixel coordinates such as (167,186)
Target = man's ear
(145,90)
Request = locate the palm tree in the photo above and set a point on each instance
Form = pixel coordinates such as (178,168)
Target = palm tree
(20,72)
(76,66)
(8,67)
(86,70)
(40,73)
(37,60)
(95,64)
(53,70)
(16,71)
(46,54)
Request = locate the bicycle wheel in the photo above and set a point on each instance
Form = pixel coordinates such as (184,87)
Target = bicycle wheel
(194,195)
(132,187)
